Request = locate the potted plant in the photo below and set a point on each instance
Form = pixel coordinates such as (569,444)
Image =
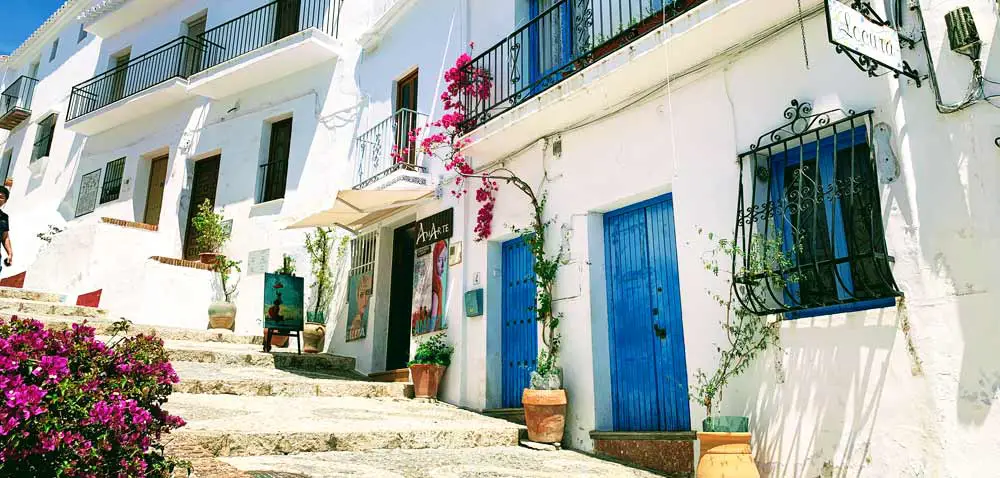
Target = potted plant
(428,365)
(210,233)
(319,246)
(287,269)
(222,314)
(725,440)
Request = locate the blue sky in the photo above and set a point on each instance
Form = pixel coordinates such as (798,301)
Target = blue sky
(21,18)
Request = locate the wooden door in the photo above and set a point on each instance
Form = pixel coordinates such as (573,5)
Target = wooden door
(120,77)
(519,335)
(400,298)
(206,179)
(286,20)
(649,386)
(406,115)
(274,174)
(194,53)
(154,193)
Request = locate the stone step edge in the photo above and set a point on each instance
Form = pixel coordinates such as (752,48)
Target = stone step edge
(102,324)
(320,387)
(55,305)
(10,293)
(234,443)
(239,358)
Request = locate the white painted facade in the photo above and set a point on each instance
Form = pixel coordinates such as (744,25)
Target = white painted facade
(669,113)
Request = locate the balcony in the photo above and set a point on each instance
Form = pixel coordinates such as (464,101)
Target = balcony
(146,83)
(16,102)
(267,44)
(385,156)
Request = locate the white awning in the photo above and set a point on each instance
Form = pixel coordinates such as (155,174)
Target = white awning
(357,209)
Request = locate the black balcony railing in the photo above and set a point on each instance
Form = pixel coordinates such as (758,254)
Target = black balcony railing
(557,42)
(272,178)
(268,24)
(387,147)
(179,58)
(18,95)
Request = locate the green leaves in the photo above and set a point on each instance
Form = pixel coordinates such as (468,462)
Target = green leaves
(434,351)
(211,235)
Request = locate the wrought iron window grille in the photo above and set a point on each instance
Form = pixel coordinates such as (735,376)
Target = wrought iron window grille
(363,254)
(868,64)
(808,221)
(113,173)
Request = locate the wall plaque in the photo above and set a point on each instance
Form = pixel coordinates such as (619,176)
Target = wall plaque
(258,261)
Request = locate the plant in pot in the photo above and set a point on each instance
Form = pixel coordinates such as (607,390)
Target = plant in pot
(222,314)
(287,269)
(725,440)
(210,233)
(319,246)
(428,365)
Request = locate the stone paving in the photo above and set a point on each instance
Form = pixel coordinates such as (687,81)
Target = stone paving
(494,462)
(206,378)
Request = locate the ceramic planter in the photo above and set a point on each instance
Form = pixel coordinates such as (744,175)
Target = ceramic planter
(313,337)
(222,315)
(277,341)
(426,380)
(545,414)
(210,258)
(725,449)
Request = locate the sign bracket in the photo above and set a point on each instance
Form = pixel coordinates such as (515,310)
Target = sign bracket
(865,62)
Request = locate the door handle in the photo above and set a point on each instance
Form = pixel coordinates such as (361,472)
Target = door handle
(659,331)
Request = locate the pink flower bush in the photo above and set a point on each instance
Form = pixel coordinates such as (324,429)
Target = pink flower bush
(73,406)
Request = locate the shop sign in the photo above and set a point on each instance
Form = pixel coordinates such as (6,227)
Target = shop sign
(438,227)
(868,40)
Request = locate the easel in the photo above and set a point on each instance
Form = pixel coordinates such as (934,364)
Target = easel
(269,333)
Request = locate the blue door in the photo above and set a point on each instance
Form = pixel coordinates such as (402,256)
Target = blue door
(649,387)
(551,36)
(520,330)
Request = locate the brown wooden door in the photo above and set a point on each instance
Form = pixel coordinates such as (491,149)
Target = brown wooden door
(406,115)
(206,179)
(275,172)
(286,20)
(119,78)
(154,193)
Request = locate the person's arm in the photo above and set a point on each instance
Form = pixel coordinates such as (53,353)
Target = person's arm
(7,247)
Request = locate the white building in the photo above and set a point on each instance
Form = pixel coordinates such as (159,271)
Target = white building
(641,123)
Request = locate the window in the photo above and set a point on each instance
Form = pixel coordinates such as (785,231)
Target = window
(83,34)
(809,221)
(361,280)
(86,200)
(55,50)
(112,180)
(43,139)
(274,173)
(5,165)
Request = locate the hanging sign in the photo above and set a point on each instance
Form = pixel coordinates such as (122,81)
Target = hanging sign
(438,227)
(866,38)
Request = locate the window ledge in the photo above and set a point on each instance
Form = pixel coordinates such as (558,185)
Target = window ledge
(269,208)
(842,308)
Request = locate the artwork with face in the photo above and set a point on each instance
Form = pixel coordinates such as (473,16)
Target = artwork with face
(283,302)
(430,286)
(359,296)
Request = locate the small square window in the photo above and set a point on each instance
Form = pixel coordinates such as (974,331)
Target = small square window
(113,173)
(55,50)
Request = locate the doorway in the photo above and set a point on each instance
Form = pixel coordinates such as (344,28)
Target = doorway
(400,298)
(519,334)
(406,115)
(649,388)
(194,53)
(286,20)
(154,194)
(119,63)
(206,180)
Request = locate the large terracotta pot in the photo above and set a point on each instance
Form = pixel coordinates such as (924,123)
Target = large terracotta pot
(726,455)
(545,414)
(222,315)
(209,258)
(313,337)
(426,380)
(277,341)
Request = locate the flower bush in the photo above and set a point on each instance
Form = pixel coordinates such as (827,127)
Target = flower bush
(74,406)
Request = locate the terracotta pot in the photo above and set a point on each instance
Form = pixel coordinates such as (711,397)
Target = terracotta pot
(545,414)
(426,380)
(222,315)
(277,341)
(726,455)
(313,337)
(209,258)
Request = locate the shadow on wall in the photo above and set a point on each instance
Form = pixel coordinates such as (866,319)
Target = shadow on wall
(67,207)
(816,403)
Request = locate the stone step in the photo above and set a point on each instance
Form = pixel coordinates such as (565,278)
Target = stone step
(32,309)
(255,426)
(206,378)
(105,327)
(437,463)
(247,355)
(32,295)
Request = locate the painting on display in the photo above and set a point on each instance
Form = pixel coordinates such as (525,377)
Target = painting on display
(359,295)
(283,302)
(430,284)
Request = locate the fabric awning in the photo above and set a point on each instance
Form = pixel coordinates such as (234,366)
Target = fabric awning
(356,209)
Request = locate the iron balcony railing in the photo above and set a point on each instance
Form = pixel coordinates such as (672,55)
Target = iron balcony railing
(18,95)
(268,24)
(559,41)
(179,58)
(387,147)
(272,178)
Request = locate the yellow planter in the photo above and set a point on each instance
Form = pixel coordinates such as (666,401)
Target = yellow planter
(726,455)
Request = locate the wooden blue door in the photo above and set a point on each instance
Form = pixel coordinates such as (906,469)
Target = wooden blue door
(520,329)
(649,387)
(551,37)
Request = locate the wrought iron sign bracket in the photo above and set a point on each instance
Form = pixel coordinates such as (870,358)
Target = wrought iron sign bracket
(868,64)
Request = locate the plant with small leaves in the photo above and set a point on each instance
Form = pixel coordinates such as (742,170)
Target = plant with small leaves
(434,351)
(287,266)
(209,227)
(319,245)
(748,335)
(227,268)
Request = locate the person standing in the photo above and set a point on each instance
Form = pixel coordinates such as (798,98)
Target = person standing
(5,227)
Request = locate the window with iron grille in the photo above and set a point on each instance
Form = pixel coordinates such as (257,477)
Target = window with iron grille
(113,173)
(361,283)
(274,174)
(43,138)
(86,200)
(363,254)
(809,219)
